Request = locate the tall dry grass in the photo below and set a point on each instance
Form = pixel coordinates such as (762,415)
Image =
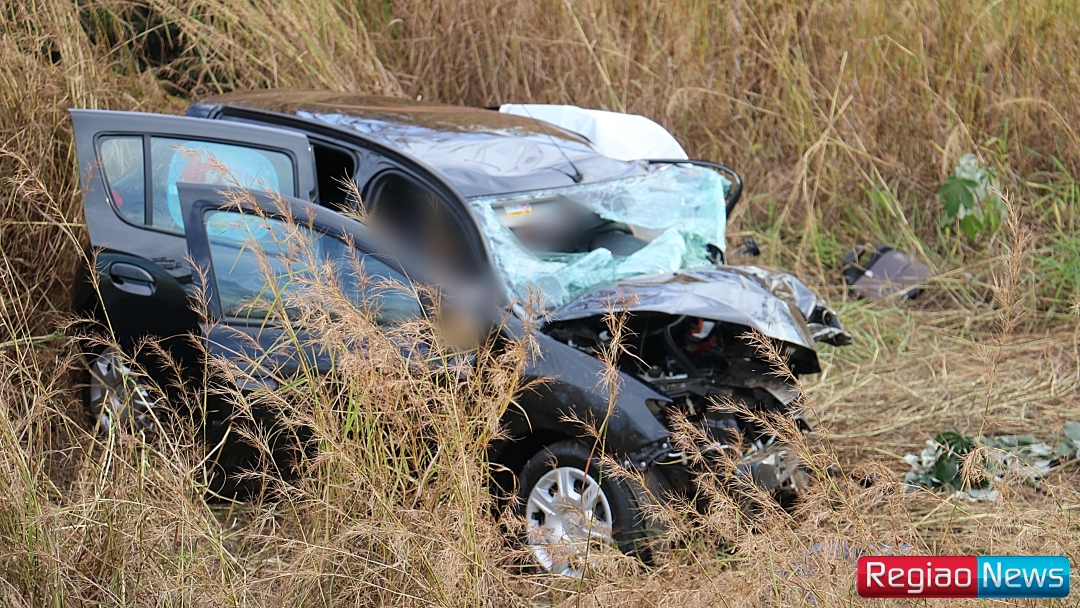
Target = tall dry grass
(842,117)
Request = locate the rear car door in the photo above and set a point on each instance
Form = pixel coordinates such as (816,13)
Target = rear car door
(130,164)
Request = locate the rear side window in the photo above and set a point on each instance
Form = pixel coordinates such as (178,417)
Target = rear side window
(175,160)
(124,169)
(262,263)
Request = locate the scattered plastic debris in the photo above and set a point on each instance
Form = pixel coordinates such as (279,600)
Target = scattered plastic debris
(939,464)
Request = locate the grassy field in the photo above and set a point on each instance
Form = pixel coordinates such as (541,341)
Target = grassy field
(844,118)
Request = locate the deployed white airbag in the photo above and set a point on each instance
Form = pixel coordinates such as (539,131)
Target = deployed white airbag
(616,135)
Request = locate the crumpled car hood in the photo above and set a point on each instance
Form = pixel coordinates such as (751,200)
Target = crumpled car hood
(775,304)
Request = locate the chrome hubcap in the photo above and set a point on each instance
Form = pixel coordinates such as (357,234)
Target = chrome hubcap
(116,396)
(566,514)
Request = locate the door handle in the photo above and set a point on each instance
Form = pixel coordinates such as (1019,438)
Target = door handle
(132,279)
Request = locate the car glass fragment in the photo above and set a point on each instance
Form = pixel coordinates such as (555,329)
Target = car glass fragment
(564,241)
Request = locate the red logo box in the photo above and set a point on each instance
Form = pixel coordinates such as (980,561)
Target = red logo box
(918,576)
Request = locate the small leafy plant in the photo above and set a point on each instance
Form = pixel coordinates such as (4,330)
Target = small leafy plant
(970,196)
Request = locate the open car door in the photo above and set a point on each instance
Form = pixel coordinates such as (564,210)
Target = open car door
(130,164)
(259,257)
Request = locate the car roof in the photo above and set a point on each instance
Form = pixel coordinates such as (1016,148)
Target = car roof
(478,151)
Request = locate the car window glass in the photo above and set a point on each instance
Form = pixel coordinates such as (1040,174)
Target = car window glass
(122,163)
(200,162)
(367,282)
(262,261)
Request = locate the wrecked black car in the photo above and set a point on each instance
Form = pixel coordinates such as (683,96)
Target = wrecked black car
(532,210)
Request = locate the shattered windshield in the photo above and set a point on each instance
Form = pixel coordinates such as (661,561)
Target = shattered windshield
(561,242)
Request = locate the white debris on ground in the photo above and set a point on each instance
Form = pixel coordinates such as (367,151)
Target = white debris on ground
(1024,456)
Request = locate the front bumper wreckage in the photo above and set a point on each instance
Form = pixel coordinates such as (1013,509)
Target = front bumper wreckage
(655,380)
(774,304)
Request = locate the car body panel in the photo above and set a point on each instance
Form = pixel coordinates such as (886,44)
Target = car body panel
(122,246)
(568,386)
(571,387)
(724,293)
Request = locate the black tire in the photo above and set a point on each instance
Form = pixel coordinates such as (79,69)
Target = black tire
(631,531)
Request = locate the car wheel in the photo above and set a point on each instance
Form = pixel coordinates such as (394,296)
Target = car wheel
(115,397)
(571,504)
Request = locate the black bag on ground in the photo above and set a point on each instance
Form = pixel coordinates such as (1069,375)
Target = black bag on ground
(882,272)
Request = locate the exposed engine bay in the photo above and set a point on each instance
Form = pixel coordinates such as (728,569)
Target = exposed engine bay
(704,367)
(693,361)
